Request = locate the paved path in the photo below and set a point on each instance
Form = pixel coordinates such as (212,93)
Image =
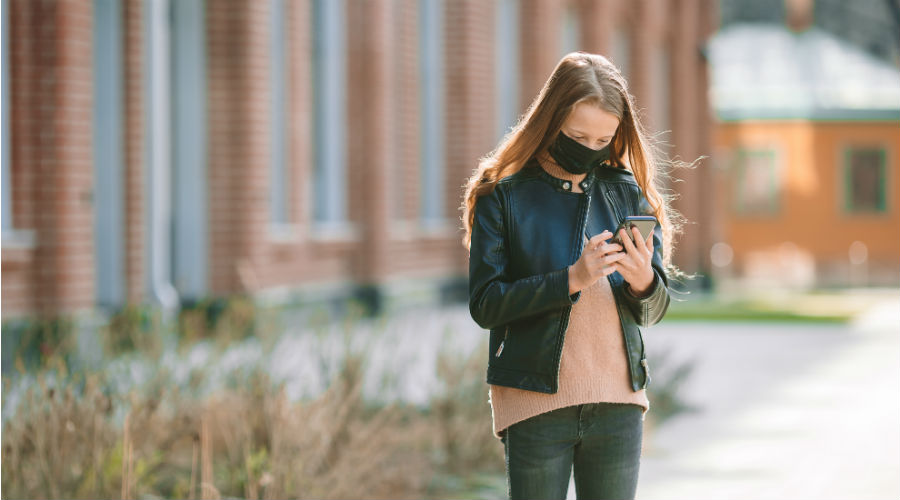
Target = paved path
(785,411)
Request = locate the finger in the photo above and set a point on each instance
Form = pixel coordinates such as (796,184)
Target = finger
(645,245)
(615,266)
(598,239)
(639,240)
(613,257)
(626,240)
(597,260)
(609,269)
(610,247)
(602,263)
(606,269)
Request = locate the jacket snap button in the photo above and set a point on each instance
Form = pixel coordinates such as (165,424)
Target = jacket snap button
(584,186)
(567,185)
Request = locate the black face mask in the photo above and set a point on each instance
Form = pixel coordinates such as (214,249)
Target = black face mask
(574,157)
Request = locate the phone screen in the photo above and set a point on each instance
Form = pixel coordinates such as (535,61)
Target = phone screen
(644,223)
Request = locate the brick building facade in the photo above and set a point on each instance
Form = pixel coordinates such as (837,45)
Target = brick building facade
(164,151)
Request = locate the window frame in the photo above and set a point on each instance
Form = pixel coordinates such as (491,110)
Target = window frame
(739,168)
(845,185)
(282,219)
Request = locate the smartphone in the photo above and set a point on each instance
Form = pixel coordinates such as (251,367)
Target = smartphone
(644,223)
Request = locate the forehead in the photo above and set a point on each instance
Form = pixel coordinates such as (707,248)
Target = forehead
(590,119)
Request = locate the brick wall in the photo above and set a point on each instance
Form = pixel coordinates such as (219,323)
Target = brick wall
(469,57)
(133,147)
(52,171)
(405,180)
(51,91)
(238,107)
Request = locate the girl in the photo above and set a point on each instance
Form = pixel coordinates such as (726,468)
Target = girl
(567,369)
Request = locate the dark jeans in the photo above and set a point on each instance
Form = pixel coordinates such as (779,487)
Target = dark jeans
(601,440)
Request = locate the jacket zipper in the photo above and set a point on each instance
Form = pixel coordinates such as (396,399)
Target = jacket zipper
(644,363)
(580,233)
(502,342)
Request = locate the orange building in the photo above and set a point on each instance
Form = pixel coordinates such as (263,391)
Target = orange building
(806,178)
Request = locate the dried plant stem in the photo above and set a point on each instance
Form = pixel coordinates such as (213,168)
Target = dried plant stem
(194,459)
(207,489)
(127,456)
(250,486)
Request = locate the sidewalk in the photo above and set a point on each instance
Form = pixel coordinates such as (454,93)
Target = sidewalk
(784,411)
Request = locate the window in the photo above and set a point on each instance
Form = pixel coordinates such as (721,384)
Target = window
(865,180)
(757,185)
(507,65)
(189,188)
(279,178)
(329,123)
(431,95)
(109,251)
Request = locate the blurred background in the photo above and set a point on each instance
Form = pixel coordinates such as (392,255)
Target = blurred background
(232,260)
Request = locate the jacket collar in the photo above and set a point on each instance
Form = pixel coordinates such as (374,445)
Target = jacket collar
(602,173)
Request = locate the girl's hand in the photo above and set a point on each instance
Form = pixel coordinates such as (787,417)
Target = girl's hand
(635,265)
(596,261)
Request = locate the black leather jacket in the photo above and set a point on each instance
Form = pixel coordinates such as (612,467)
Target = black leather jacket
(525,234)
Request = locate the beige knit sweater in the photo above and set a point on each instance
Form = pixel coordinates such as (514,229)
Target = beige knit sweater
(593,367)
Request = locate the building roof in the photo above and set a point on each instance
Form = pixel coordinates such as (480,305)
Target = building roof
(765,71)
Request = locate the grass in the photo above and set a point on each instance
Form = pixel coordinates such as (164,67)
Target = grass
(780,306)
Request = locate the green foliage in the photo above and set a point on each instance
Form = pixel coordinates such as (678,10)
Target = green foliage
(40,342)
(799,308)
(225,320)
(133,328)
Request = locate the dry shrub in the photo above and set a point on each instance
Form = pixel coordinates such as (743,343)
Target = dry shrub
(329,447)
(60,444)
(82,439)
(462,414)
(249,442)
(65,442)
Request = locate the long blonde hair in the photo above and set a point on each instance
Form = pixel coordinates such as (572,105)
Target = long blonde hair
(579,77)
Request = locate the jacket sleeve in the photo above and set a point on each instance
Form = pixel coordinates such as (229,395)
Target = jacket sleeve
(494,299)
(650,309)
